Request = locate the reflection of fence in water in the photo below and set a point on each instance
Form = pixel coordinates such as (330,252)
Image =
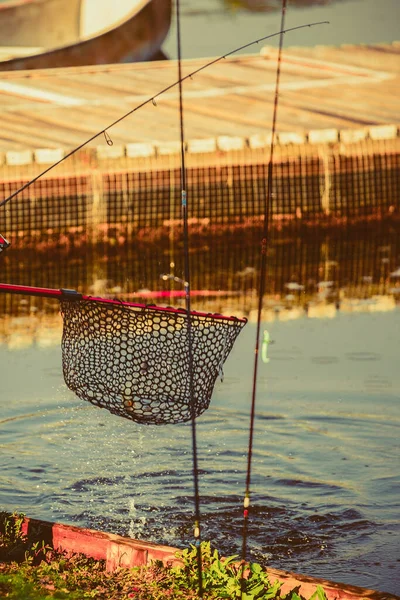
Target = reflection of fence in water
(311,182)
(359,262)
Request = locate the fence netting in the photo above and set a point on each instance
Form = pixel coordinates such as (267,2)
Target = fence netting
(102,202)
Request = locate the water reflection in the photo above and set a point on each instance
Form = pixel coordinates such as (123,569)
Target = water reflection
(308,274)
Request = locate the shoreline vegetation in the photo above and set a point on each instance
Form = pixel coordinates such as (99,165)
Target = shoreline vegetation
(40,560)
(37,571)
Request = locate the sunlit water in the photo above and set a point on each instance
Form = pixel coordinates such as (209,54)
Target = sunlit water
(325,480)
(210,28)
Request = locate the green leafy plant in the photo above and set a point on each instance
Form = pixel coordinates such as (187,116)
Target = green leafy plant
(228,578)
(38,572)
(13,542)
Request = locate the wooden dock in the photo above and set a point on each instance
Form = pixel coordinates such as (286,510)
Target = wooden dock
(323,90)
(337,154)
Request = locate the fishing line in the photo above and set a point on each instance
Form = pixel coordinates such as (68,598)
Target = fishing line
(263,273)
(152,99)
(196,531)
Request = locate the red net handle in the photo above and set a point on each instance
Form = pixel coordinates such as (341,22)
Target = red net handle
(66,294)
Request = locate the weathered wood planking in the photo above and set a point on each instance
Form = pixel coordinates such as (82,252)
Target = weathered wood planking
(321,88)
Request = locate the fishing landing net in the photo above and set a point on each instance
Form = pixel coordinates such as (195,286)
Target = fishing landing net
(134,359)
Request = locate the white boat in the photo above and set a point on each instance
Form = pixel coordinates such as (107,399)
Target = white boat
(40,34)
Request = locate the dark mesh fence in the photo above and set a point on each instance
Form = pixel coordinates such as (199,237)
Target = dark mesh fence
(310,183)
(366,183)
(50,208)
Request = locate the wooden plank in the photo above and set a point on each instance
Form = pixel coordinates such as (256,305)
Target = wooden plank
(321,88)
(336,112)
(361,56)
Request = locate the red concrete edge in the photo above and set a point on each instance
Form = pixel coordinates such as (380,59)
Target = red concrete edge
(119,551)
(116,550)
(333,590)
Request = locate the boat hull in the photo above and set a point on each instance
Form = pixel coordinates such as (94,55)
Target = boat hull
(138,38)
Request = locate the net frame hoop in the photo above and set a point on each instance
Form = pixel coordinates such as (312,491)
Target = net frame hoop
(63,294)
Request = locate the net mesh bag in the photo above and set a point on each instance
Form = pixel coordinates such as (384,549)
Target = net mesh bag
(134,359)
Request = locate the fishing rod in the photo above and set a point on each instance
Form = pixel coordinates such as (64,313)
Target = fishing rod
(153,99)
(62,294)
(190,340)
(262,285)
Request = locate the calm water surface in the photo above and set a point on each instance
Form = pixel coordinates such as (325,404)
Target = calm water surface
(210,28)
